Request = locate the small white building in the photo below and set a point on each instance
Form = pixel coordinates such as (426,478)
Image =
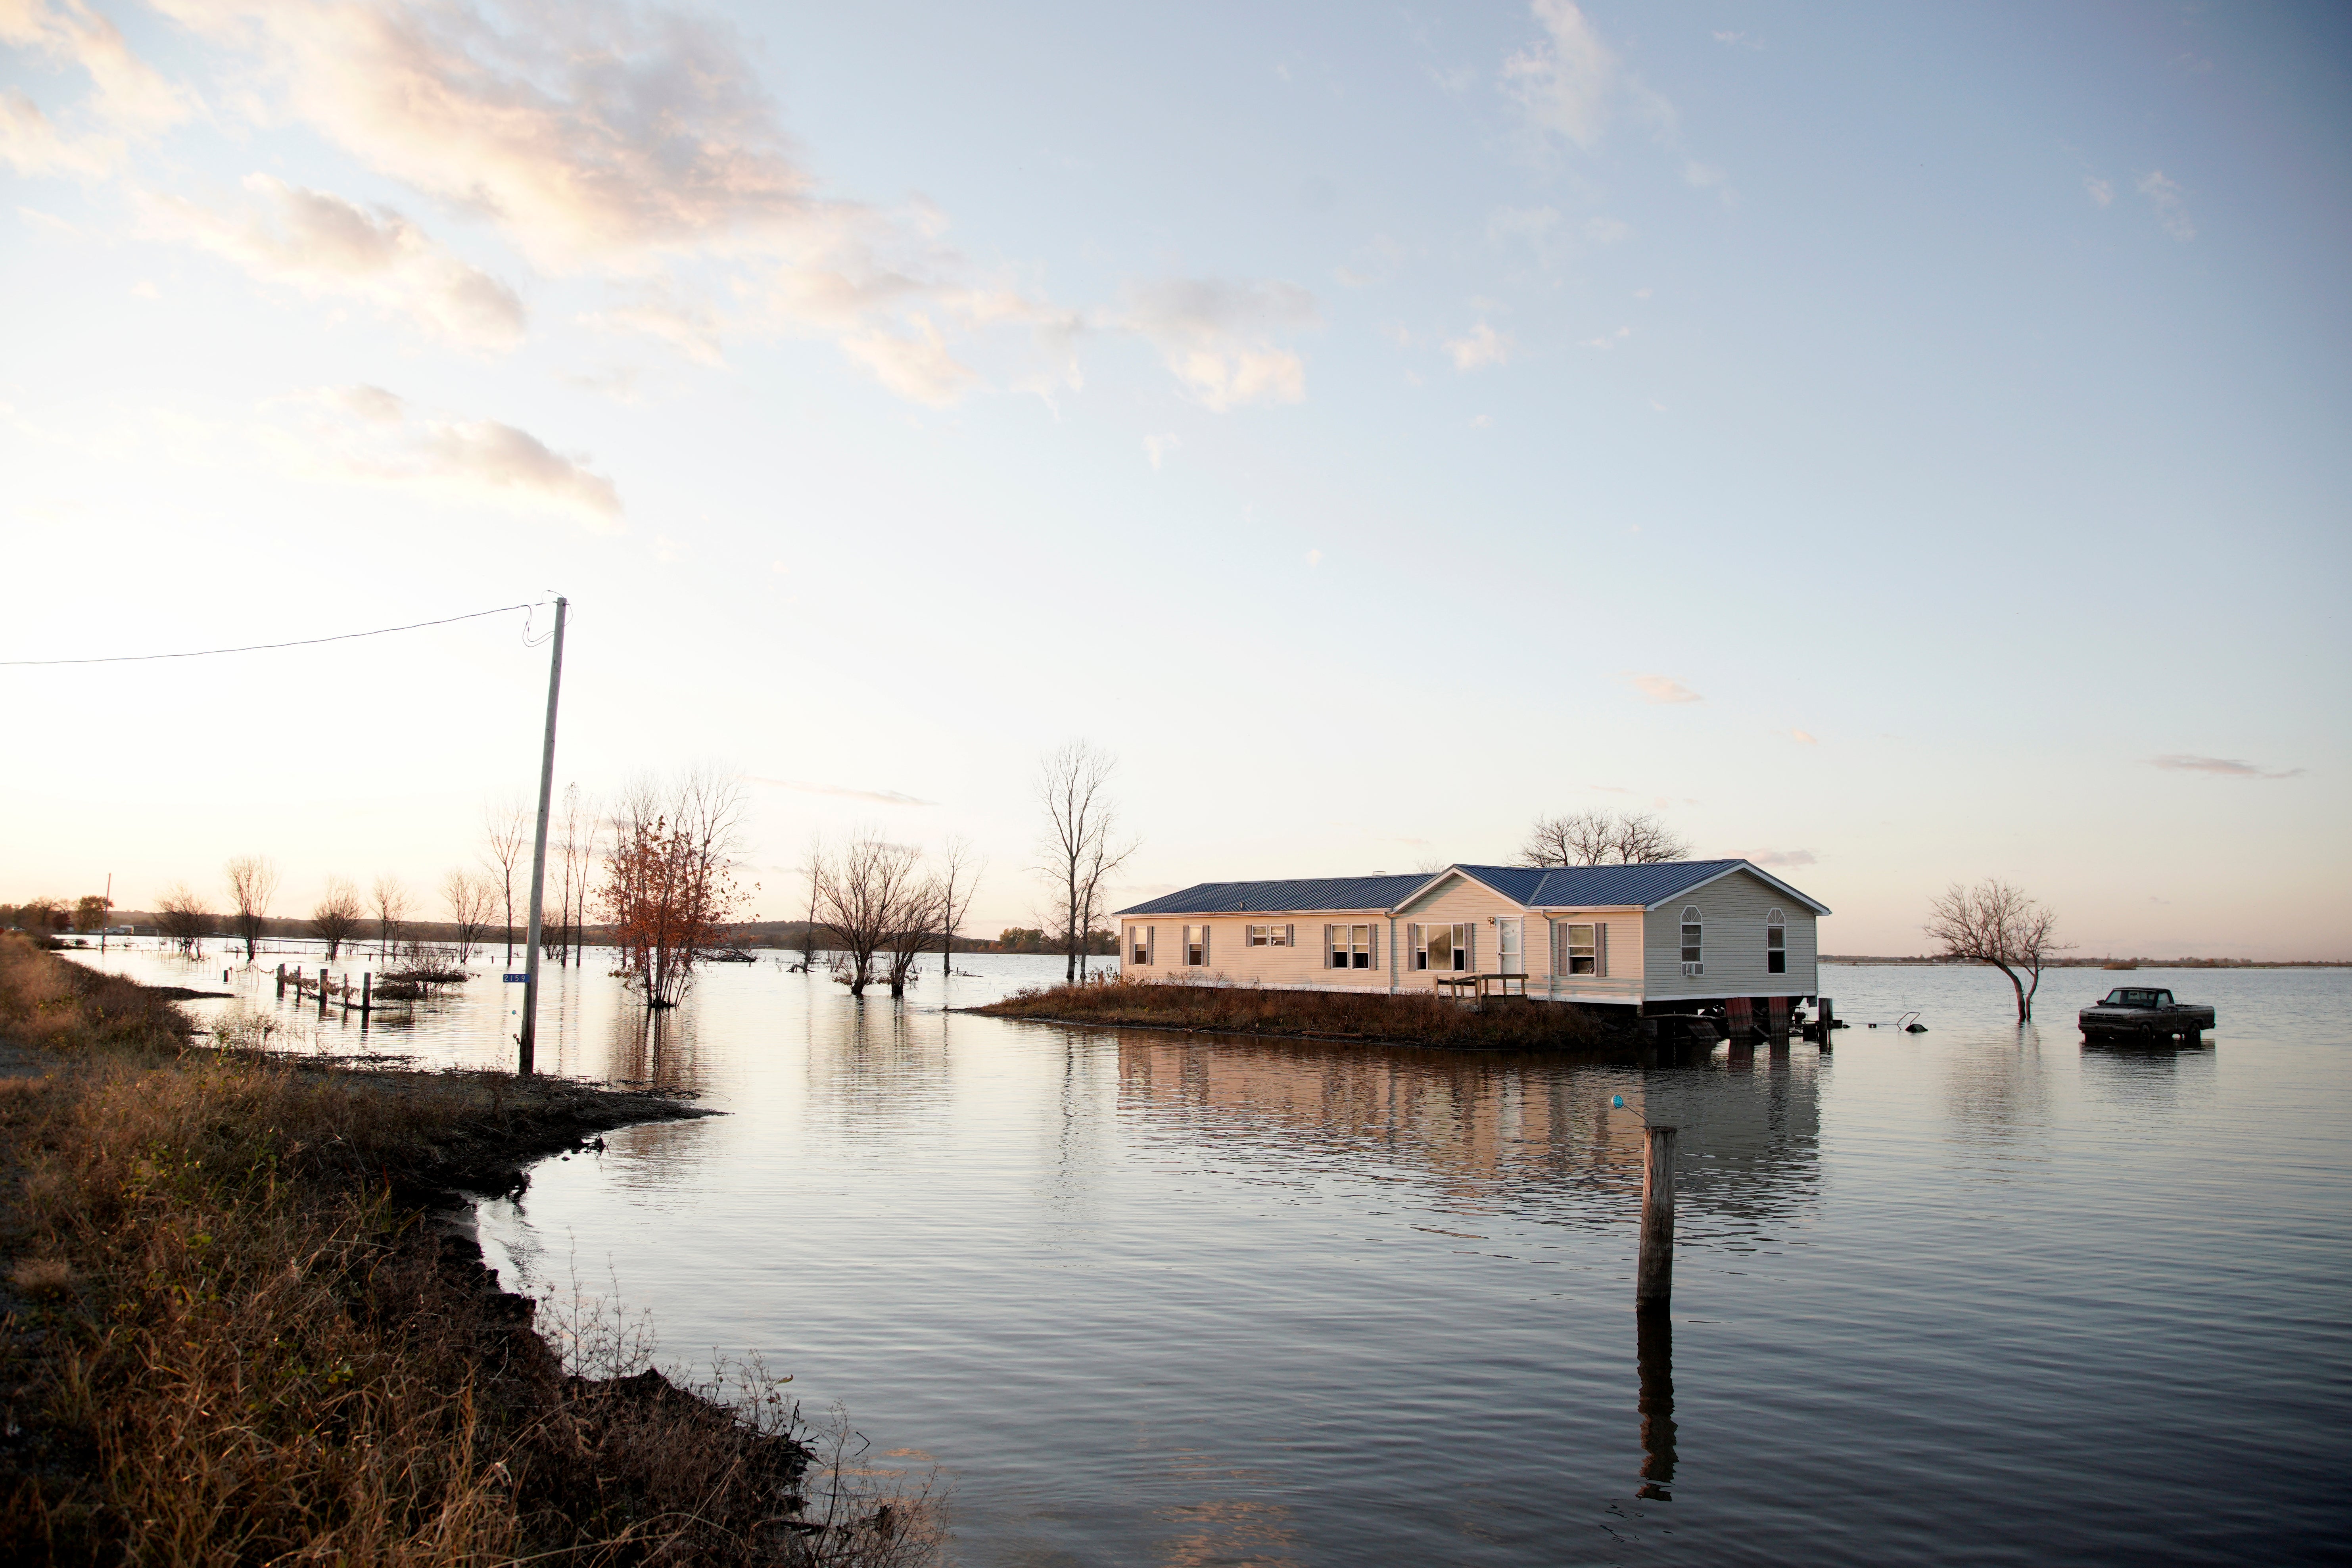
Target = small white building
(1678,937)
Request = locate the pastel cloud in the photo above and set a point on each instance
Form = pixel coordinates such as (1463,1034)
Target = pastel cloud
(880,796)
(1221,338)
(2164,196)
(1564,81)
(2227,767)
(367,434)
(324,244)
(1662,689)
(1784,857)
(1481,345)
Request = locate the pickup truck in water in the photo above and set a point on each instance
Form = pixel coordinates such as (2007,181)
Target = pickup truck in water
(2144,1011)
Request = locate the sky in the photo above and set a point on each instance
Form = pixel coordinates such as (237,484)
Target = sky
(1896,445)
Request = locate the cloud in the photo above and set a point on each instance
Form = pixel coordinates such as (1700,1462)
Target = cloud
(2102,191)
(324,244)
(2228,767)
(1564,81)
(126,92)
(1157,446)
(1803,739)
(1783,858)
(1481,345)
(1739,41)
(367,434)
(881,797)
(1607,230)
(611,140)
(1662,689)
(2164,196)
(34,146)
(1219,337)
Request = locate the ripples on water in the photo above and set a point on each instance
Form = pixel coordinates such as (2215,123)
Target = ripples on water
(1963,1296)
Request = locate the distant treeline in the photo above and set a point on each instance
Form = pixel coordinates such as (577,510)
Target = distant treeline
(2111,963)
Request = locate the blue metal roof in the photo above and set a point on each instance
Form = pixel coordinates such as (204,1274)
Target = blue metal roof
(1533,886)
(1295,895)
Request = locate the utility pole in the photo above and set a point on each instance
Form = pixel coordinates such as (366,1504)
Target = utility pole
(106,916)
(529,1037)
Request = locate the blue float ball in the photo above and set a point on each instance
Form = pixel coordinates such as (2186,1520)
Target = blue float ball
(1617,1100)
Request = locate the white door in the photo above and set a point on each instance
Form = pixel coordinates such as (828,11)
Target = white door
(1509,959)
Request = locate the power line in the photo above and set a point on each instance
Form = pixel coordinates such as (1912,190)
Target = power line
(265,647)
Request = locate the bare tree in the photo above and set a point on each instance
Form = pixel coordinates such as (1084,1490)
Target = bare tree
(669,887)
(1995,923)
(1080,851)
(252,883)
(391,910)
(575,855)
(185,919)
(337,918)
(470,899)
(815,868)
(870,896)
(506,833)
(1601,838)
(959,880)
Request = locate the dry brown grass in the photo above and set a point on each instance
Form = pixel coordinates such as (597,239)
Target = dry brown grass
(1411,1018)
(232,1336)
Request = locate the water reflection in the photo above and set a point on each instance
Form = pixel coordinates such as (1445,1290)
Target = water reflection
(651,1047)
(1491,1132)
(1654,1355)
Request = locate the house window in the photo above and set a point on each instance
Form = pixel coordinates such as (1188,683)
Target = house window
(1269,936)
(1441,947)
(1139,942)
(1583,951)
(1351,947)
(1776,944)
(1693,949)
(1196,945)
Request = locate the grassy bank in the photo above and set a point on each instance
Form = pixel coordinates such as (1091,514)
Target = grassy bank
(1417,1018)
(234,1333)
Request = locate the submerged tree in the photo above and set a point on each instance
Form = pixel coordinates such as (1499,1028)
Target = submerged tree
(1601,838)
(575,858)
(90,911)
(506,833)
(1995,923)
(873,899)
(959,879)
(669,888)
(1079,853)
(252,883)
(185,919)
(471,900)
(391,910)
(337,916)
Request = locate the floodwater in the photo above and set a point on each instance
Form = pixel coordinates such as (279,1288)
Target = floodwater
(1975,1296)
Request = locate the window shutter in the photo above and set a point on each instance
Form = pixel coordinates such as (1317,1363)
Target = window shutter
(1372,941)
(1326,947)
(1601,950)
(1290,936)
(1470,940)
(1204,944)
(1150,944)
(1413,944)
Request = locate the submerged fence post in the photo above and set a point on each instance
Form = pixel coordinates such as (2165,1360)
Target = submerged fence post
(365,976)
(281,979)
(1653,1274)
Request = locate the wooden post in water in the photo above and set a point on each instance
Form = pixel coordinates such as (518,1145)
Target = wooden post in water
(1653,1274)
(281,979)
(365,976)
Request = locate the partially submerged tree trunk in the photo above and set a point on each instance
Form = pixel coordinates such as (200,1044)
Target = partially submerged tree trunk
(505,836)
(252,883)
(337,918)
(1996,924)
(1078,852)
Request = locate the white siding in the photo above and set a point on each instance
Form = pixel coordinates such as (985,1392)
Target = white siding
(1732,911)
(1621,981)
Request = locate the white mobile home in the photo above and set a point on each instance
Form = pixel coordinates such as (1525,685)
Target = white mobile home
(1679,937)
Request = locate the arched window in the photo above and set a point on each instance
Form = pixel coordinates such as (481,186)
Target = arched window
(1694,949)
(1776,944)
